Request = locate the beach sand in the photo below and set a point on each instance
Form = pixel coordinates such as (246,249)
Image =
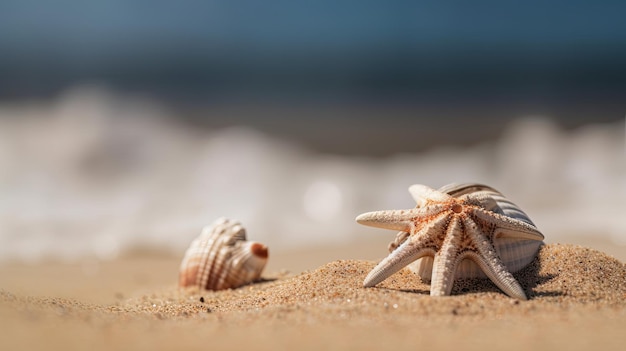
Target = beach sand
(577,301)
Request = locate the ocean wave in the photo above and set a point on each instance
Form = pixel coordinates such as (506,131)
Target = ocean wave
(93,175)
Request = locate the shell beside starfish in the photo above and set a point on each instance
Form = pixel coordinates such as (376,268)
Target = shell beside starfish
(459,231)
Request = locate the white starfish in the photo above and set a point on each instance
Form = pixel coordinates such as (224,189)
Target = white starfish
(451,229)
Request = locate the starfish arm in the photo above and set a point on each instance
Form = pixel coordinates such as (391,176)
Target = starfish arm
(395,261)
(402,220)
(421,194)
(412,249)
(488,260)
(446,261)
(508,227)
(484,200)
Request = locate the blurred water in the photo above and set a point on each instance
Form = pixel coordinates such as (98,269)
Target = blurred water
(92,175)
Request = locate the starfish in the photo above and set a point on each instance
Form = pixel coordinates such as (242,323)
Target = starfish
(460,224)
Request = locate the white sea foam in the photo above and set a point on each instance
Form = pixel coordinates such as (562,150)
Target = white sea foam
(91,175)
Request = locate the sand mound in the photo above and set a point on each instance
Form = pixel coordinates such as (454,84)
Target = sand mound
(561,276)
(577,299)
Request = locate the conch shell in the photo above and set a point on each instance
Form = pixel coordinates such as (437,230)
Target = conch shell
(221,258)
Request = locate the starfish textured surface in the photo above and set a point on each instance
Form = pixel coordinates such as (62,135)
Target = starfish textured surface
(462,223)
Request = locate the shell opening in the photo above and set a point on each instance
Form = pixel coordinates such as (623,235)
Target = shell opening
(259,250)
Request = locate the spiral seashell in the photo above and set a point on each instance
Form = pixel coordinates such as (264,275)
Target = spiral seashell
(514,253)
(221,258)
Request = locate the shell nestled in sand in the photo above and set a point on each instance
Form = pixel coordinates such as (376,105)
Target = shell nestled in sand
(221,258)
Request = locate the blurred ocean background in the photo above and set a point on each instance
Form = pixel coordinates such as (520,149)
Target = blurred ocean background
(129,125)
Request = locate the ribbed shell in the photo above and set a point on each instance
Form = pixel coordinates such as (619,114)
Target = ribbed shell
(222,258)
(514,253)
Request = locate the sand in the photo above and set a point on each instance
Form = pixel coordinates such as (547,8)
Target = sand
(577,302)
